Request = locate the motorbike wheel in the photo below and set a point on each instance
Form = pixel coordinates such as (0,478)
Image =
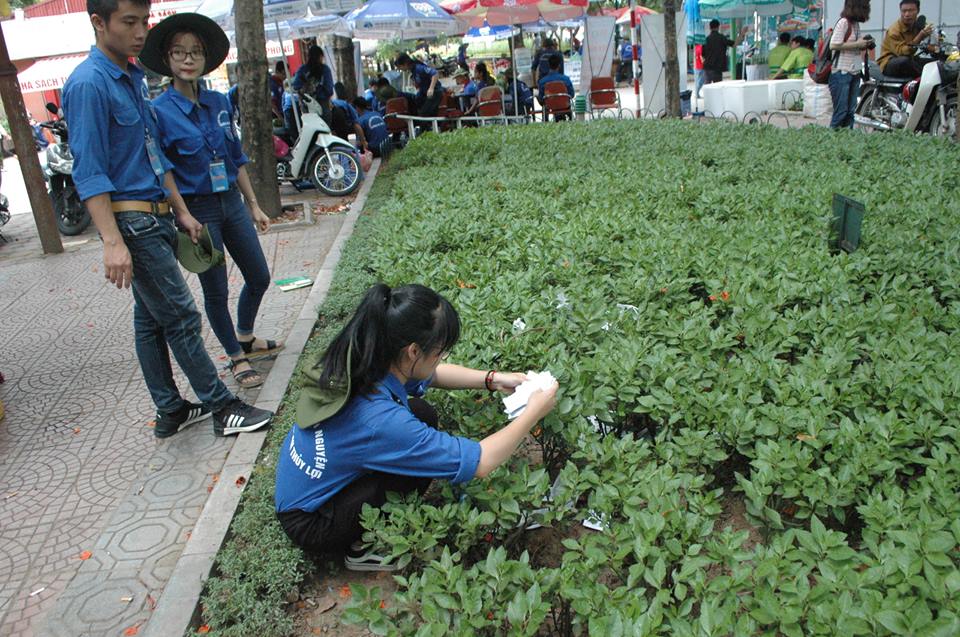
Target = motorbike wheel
(337,178)
(864,107)
(948,127)
(72,215)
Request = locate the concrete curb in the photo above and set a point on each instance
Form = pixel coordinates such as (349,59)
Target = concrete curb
(178,606)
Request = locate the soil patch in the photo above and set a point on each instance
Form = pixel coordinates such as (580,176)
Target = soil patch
(325,595)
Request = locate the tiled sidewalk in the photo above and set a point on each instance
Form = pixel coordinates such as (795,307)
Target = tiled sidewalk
(80,470)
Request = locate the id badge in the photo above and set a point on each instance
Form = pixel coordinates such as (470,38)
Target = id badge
(218,176)
(154,154)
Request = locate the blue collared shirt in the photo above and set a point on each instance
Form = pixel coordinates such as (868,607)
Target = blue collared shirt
(322,86)
(375,432)
(109,116)
(195,135)
(555,77)
(422,74)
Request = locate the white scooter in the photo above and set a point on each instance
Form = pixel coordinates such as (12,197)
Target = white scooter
(331,163)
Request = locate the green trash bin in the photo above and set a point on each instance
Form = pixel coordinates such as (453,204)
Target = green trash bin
(580,106)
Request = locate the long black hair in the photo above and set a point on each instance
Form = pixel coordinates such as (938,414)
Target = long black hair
(385,322)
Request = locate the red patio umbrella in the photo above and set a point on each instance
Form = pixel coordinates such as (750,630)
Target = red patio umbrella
(508,12)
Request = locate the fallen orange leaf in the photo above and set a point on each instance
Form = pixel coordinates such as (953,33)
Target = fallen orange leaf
(203,630)
(151,423)
(86,555)
(345,591)
(241,481)
(133,630)
(76,430)
(383,603)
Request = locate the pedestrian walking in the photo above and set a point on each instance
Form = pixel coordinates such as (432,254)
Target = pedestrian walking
(127,184)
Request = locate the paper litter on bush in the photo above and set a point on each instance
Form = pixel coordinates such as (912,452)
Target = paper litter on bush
(515,403)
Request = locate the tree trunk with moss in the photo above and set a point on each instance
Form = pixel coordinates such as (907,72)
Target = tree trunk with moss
(256,116)
(672,62)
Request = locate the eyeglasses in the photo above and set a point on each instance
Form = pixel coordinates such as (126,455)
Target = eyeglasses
(179,55)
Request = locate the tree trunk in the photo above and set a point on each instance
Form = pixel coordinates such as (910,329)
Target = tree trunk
(25,147)
(346,69)
(255,113)
(957,108)
(672,64)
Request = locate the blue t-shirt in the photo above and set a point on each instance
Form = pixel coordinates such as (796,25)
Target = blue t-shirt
(541,62)
(289,101)
(555,77)
(348,110)
(422,74)
(375,432)
(374,128)
(109,115)
(195,135)
(626,50)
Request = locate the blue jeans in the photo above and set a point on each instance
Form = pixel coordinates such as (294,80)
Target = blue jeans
(843,90)
(165,317)
(230,225)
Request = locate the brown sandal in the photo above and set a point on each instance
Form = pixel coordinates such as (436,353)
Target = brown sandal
(248,378)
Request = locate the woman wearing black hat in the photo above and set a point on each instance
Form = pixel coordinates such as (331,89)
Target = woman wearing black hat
(197,135)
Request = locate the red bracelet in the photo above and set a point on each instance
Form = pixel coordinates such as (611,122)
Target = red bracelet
(488,380)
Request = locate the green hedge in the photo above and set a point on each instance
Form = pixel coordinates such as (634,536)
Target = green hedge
(712,356)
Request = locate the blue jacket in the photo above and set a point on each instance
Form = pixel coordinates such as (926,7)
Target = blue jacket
(376,432)
(110,119)
(195,135)
(374,128)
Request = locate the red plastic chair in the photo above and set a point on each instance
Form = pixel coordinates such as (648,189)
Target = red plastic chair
(556,101)
(490,102)
(396,106)
(603,97)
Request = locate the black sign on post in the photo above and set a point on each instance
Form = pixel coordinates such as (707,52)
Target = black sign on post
(845,225)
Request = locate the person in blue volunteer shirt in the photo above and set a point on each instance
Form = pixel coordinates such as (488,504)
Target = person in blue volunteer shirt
(541,61)
(291,130)
(198,137)
(555,75)
(363,427)
(427,81)
(345,118)
(127,184)
(315,79)
(371,95)
(374,128)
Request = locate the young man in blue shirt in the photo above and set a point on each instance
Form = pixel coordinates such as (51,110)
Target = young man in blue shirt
(346,120)
(541,61)
(555,75)
(427,81)
(127,185)
(374,128)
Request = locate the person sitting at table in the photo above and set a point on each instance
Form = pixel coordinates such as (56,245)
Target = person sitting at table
(385,92)
(555,75)
(778,54)
(481,79)
(525,104)
(799,59)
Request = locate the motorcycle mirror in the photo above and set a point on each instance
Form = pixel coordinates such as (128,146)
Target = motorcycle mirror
(53,108)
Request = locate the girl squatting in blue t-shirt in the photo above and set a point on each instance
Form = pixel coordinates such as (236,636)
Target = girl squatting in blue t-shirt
(363,428)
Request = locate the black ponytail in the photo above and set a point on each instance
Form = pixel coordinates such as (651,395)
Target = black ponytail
(385,322)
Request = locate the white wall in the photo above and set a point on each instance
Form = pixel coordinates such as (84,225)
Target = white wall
(883,13)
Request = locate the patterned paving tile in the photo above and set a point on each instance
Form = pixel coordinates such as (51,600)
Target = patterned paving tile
(80,469)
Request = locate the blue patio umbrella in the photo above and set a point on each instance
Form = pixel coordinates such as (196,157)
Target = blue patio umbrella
(402,19)
(489,33)
(276,11)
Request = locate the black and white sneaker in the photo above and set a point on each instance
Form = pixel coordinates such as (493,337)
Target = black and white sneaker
(357,559)
(239,417)
(168,424)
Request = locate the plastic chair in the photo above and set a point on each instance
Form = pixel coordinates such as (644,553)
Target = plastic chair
(556,101)
(490,102)
(396,106)
(448,108)
(603,97)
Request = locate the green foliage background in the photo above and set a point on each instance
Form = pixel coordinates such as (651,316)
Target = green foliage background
(675,277)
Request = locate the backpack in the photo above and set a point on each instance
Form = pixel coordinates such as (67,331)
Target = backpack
(822,65)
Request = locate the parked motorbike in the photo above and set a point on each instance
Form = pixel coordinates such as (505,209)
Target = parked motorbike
(927,104)
(331,163)
(72,215)
(445,66)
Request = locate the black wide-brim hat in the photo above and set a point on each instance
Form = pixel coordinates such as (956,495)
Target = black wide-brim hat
(215,42)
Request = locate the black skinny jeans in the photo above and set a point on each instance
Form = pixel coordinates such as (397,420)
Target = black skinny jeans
(336,524)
